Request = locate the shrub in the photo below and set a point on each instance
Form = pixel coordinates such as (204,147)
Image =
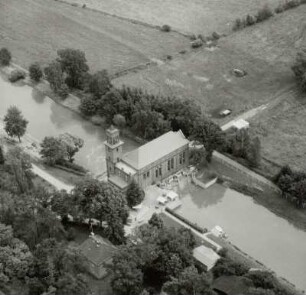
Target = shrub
(165,28)
(88,106)
(264,14)
(84,6)
(215,36)
(197,43)
(279,8)
(71,234)
(17,75)
(238,24)
(193,37)
(5,57)
(63,91)
(36,72)
(73,166)
(119,120)
(250,20)
(291,4)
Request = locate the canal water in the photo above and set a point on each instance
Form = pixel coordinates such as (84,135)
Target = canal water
(47,118)
(268,238)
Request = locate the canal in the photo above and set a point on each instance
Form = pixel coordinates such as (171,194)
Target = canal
(47,118)
(257,231)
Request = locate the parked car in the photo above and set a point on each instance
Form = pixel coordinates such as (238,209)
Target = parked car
(225,112)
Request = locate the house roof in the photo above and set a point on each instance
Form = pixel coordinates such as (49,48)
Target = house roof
(232,285)
(155,149)
(97,250)
(125,168)
(206,256)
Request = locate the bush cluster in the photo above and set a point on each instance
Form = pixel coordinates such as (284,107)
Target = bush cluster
(288,4)
(187,221)
(262,15)
(165,28)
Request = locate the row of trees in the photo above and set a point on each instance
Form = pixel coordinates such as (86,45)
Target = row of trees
(292,185)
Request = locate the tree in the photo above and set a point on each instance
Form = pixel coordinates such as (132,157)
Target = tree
(2,159)
(134,194)
(126,275)
(210,135)
(72,143)
(54,75)
(189,282)
(15,123)
(99,200)
(20,166)
(156,221)
(73,62)
(5,57)
(16,258)
(53,150)
(36,72)
(227,267)
(119,120)
(299,69)
(69,284)
(88,106)
(253,153)
(99,84)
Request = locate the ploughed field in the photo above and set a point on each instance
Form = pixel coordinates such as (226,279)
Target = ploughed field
(35,29)
(186,16)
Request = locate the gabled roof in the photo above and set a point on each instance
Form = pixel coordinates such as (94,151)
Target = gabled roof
(97,250)
(155,149)
(206,256)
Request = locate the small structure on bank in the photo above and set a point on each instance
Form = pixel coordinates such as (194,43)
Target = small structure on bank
(206,256)
(150,163)
(98,252)
(241,124)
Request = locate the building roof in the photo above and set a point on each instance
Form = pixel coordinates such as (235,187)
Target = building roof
(125,168)
(241,124)
(97,250)
(118,181)
(232,285)
(206,256)
(155,149)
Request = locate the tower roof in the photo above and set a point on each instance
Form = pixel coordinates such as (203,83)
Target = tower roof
(155,149)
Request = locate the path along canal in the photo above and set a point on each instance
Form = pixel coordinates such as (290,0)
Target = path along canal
(47,118)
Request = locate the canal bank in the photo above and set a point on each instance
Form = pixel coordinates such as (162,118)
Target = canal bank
(266,237)
(49,118)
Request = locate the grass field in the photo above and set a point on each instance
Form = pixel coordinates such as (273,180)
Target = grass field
(265,51)
(35,29)
(191,16)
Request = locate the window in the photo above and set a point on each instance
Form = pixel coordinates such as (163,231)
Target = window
(183,157)
(117,149)
(118,159)
(172,163)
(148,173)
(168,165)
(156,172)
(160,171)
(144,176)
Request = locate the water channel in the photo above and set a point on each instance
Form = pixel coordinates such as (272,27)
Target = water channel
(47,118)
(265,236)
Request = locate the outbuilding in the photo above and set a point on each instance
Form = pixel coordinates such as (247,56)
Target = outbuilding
(172,196)
(206,256)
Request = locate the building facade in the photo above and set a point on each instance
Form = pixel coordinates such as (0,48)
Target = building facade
(149,164)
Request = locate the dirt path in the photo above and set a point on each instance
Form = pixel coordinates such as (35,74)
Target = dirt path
(275,100)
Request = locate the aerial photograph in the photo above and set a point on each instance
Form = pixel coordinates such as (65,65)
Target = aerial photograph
(152,147)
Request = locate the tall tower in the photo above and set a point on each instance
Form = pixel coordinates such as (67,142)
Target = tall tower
(113,149)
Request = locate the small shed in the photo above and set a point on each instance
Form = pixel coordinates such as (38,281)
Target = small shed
(241,124)
(97,252)
(172,196)
(162,200)
(206,256)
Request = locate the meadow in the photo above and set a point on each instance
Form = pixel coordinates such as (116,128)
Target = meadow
(190,17)
(35,29)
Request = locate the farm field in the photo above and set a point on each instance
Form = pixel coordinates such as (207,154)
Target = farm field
(282,132)
(35,29)
(191,17)
(265,51)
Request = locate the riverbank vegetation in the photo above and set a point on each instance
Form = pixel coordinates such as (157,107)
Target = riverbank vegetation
(299,69)
(293,185)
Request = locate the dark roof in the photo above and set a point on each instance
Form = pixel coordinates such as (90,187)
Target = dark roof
(232,285)
(97,250)
(155,149)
